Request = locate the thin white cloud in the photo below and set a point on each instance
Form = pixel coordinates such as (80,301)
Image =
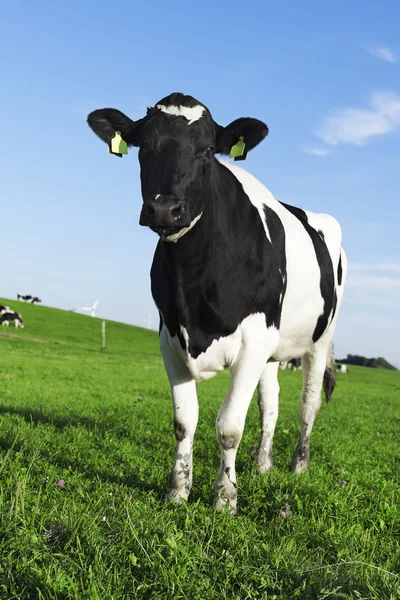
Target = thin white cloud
(384,53)
(376,284)
(369,322)
(358,298)
(373,282)
(391,267)
(316,151)
(355,126)
(375,321)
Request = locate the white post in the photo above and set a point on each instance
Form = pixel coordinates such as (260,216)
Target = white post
(103,333)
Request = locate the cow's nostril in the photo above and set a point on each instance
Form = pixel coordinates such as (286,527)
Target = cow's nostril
(151,209)
(176,209)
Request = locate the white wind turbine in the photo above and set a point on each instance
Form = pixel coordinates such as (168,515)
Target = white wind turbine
(91,309)
(148,321)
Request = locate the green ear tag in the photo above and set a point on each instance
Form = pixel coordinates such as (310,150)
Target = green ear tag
(238,151)
(117,145)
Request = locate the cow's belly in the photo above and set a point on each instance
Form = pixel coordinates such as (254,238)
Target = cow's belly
(293,343)
(300,313)
(222,353)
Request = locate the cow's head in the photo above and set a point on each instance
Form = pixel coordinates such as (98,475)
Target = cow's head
(177,140)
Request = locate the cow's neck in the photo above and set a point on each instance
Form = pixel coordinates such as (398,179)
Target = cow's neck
(196,254)
(200,263)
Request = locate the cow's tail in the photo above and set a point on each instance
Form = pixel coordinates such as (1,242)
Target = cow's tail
(329,383)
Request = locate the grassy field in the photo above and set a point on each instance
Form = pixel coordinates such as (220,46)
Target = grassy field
(69,411)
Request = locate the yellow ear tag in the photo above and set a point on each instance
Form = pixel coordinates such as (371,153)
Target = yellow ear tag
(238,151)
(117,145)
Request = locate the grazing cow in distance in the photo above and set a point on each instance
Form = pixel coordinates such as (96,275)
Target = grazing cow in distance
(241,281)
(342,368)
(294,364)
(10,316)
(29,299)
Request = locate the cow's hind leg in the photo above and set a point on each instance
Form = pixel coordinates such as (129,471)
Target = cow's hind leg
(268,396)
(317,370)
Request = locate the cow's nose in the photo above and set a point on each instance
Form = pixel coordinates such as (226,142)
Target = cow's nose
(176,209)
(164,211)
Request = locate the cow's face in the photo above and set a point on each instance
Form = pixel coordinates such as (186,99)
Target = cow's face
(177,140)
(176,148)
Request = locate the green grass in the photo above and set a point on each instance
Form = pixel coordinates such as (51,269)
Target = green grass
(53,325)
(69,410)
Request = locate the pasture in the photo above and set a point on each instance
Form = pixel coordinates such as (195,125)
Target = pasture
(69,412)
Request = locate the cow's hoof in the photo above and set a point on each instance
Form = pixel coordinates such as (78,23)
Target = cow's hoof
(221,503)
(265,461)
(299,467)
(265,468)
(226,494)
(301,459)
(177,496)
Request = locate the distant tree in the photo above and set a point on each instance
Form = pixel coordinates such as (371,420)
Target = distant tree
(362,361)
(383,364)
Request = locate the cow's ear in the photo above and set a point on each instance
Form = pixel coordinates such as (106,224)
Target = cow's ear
(252,131)
(106,121)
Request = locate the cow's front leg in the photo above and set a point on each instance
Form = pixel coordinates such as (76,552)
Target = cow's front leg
(231,417)
(184,398)
(186,411)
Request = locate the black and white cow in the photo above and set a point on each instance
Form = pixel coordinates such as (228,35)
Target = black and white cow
(294,364)
(241,280)
(10,316)
(24,298)
(29,299)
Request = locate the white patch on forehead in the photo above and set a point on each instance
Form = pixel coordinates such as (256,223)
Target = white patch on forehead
(175,236)
(191,114)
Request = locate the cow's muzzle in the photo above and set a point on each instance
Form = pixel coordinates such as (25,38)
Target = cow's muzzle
(162,212)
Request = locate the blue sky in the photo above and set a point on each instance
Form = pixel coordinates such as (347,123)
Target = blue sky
(325,77)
